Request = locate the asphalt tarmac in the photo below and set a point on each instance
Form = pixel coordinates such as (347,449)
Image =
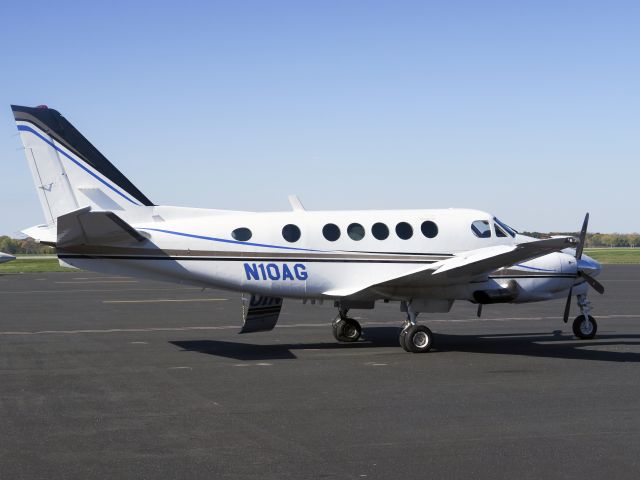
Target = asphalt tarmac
(109,377)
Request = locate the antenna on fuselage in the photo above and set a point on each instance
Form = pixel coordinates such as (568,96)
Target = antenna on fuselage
(296,204)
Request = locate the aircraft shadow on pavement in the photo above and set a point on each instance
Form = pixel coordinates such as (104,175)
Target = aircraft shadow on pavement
(532,344)
(276,351)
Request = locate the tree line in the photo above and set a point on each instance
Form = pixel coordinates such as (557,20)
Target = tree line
(23,245)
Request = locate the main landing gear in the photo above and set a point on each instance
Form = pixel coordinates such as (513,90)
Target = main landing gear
(584,326)
(346,329)
(415,338)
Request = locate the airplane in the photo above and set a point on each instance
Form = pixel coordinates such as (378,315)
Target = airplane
(5,257)
(424,260)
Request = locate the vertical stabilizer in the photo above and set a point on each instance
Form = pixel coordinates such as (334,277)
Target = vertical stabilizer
(68,171)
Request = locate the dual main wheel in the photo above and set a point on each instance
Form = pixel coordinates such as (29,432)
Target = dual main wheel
(416,339)
(413,338)
(346,330)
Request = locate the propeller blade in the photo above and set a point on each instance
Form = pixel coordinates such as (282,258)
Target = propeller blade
(597,286)
(567,307)
(583,237)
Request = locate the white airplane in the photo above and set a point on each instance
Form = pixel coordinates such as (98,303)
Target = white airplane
(5,257)
(423,259)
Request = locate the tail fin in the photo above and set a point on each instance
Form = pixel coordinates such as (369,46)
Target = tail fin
(69,172)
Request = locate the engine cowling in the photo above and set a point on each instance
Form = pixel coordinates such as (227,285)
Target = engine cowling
(506,294)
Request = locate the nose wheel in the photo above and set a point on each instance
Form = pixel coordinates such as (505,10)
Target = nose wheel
(585,327)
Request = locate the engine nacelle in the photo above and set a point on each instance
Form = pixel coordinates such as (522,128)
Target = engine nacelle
(507,294)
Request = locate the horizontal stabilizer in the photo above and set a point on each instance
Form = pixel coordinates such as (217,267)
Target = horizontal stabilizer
(42,234)
(5,257)
(84,227)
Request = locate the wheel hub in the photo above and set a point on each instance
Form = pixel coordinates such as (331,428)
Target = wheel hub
(420,339)
(350,331)
(586,327)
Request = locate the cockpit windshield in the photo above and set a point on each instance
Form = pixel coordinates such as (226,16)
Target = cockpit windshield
(504,227)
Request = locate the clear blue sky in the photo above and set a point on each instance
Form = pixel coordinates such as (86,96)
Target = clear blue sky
(530,110)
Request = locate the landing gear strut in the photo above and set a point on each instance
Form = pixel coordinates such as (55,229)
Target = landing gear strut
(584,326)
(415,338)
(346,329)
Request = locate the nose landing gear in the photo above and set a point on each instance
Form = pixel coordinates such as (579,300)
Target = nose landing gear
(584,326)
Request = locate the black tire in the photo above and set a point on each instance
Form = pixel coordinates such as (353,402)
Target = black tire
(417,339)
(347,330)
(585,329)
(402,337)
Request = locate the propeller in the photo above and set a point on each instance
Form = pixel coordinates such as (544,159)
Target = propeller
(597,286)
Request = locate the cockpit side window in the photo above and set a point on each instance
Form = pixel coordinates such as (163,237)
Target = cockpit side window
(499,231)
(504,227)
(480,228)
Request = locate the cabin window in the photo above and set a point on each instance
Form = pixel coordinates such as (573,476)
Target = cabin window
(291,233)
(242,234)
(331,232)
(380,231)
(355,231)
(505,227)
(481,229)
(404,230)
(429,229)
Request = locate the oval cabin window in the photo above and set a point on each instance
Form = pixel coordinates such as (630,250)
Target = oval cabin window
(429,229)
(355,231)
(404,230)
(291,233)
(242,234)
(380,231)
(331,232)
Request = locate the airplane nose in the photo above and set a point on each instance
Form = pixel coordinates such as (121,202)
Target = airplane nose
(589,265)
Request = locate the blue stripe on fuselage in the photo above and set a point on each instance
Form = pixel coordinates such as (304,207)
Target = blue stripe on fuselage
(534,268)
(224,240)
(25,128)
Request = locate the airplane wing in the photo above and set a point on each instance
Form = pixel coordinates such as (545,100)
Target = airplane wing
(84,227)
(464,267)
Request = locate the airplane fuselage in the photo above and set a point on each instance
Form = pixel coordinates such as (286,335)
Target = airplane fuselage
(303,254)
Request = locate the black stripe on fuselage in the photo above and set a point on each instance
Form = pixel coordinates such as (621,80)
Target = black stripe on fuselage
(239,259)
(418,254)
(546,275)
(305,260)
